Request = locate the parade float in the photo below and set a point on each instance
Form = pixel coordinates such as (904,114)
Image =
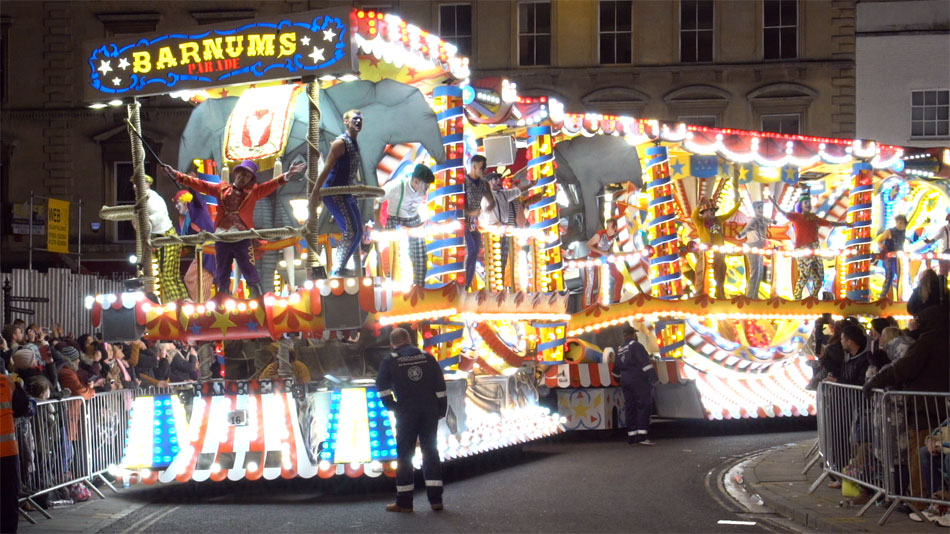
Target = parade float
(274,91)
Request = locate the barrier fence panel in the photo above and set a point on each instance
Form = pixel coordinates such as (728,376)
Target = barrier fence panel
(894,444)
(108,420)
(59,456)
(916,438)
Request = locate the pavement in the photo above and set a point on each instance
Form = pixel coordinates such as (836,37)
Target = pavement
(767,483)
(774,478)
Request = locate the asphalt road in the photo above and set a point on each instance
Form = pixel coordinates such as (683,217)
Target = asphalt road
(580,482)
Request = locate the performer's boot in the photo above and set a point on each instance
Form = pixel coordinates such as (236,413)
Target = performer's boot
(222,292)
(256,290)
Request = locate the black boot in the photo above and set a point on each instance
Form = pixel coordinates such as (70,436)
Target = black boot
(256,290)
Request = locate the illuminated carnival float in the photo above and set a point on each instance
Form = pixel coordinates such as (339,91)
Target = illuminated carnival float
(540,324)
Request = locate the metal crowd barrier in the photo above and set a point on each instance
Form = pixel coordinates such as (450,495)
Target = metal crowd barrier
(75,441)
(876,443)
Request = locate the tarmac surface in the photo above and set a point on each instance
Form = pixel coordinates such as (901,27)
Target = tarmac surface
(733,476)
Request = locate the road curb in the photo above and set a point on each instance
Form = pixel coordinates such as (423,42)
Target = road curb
(783,506)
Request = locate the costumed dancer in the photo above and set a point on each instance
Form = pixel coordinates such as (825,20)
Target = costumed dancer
(810,268)
(758,227)
(405,197)
(416,380)
(892,240)
(637,377)
(169,256)
(601,246)
(195,217)
(476,189)
(340,170)
(711,229)
(236,213)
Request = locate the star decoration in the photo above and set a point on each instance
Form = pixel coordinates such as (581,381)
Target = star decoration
(316,55)
(123,63)
(305,40)
(222,322)
(677,167)
(105,67)
(251,325)
(328,34)
(116,80)
(196,329)
(582,409)
(743,173)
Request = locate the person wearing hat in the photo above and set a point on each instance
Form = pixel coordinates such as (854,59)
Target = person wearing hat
(758,230)
(236,213)
(637,377)
(711,230)
(402,200)
(68,376)
(168,256)
(811,268)
(504,212)
(194,217)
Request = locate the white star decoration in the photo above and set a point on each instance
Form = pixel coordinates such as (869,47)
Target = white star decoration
(328,34)
(116,80)
(123,63)
(305,40)
(105,67)
(317,55)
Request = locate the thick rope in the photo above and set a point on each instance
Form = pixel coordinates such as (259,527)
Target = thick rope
(265,234)
(311,228)
(143,249)
(117,213)
(360,191)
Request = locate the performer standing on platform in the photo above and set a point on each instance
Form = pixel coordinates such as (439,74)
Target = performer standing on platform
(169,256)
(236,213)
(405,197)
(601,246)
(943,236)
(810,268)
(415,379)
(637,377)
(711,229)
(892,240)
(758,228)
(340,170)
(505,212)
(194,217)
(475,190)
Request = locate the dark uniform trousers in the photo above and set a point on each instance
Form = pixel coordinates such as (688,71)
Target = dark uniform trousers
(424,426)
(637,407)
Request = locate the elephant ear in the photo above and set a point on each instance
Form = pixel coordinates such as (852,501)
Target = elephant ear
(203,137)
(592,163)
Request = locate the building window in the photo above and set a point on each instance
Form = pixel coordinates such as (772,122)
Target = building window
(783,123)
(4,57)
(455,26)
(709,121)
(616,32)
(780,29)
(696,31)
(930,113)
(534,33)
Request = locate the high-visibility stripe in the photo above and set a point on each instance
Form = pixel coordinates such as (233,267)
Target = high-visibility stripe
(6,405)
(407,487)
(647,367)
(433,482)
(386,393)
(632,433)
(7,437)
(641,431)
(440,394)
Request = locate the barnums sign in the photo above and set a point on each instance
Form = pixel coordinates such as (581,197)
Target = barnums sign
(313,43)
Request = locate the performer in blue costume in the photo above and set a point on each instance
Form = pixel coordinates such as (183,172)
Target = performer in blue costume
(194,217)
(342,165)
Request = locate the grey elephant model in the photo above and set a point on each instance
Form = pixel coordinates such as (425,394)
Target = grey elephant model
(590,164)
(394,113)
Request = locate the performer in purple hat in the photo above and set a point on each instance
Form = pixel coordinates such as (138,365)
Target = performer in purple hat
(236,213)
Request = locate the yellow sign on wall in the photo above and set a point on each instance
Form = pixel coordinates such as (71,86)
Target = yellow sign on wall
(57,226)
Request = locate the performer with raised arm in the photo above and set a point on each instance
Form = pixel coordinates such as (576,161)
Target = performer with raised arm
(195,217)
(340,170)
(236,213)
(601,245)
(711,230)
(758,230)
(169,256)
(810,268)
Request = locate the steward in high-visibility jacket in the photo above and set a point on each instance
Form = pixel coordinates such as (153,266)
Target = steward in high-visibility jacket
(14,402)
(637,380)
(415,379)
